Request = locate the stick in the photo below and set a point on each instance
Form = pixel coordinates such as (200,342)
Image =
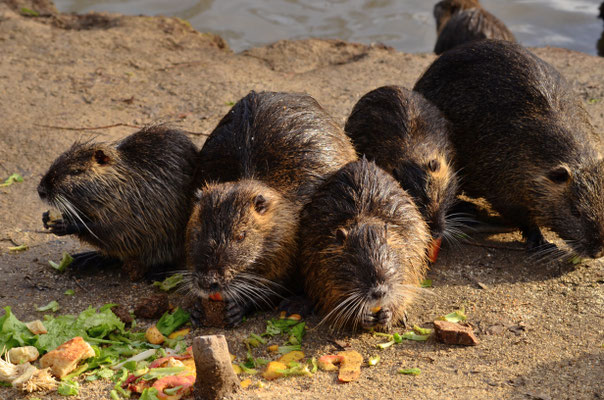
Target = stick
(91,128)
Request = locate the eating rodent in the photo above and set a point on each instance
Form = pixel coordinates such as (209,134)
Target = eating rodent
(130,199)
(522,140)
(462,21)
(363,248)
(262,163)
(407,136)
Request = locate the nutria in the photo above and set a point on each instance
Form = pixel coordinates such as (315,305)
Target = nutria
(130,199)
(262,163)
(461,21)
(406,135)
(363,248)
(522,140)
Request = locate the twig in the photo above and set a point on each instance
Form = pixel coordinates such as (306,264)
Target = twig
(91,128)
(495,246)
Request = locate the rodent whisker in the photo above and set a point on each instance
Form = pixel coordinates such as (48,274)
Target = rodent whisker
(73,212)
(251,292)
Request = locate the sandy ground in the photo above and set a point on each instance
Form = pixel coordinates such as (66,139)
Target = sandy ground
(541,326)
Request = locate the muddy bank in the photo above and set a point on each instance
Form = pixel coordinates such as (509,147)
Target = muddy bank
(541,326)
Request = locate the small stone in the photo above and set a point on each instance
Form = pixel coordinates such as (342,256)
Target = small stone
(152,307)
(215,375)
(452,333)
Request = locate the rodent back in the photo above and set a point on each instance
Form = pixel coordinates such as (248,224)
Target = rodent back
(495,91)
(286,140)
(407,136)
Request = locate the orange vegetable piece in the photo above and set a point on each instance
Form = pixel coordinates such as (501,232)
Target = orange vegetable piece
(215,296)
(350,366)
(173,381)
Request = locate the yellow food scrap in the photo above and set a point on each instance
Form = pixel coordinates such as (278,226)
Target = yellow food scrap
(274,370)
(295,317)
(295,355)
(246,383)
(237,369)
(273,349)
(180,333)
(36,327)
(154,336)
(375,310)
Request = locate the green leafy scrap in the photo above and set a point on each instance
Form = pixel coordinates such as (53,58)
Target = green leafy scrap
(414,336)
(18,249)
(168,323)
(149,394)
(169,283)
(52,306)
(68,388)
(426,283)
(65,262)
(410,371)
(456,316)
(14,333)
(14,178)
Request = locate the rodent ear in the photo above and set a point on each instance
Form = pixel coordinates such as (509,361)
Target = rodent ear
(260,204)
(341,235)
(559,174)
(100,157)
(433,165)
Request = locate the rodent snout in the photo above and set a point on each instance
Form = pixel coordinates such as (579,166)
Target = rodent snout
(378,293)
(42,192)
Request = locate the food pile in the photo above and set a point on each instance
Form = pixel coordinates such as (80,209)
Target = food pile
(96,345)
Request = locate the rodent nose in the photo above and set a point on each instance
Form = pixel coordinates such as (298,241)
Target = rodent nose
(214,287)
(378,293)
(42,192)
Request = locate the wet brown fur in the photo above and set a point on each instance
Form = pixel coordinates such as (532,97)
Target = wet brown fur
(408,137)
(275,148)
(462,21)
(134,195)
(363,236)
(522,140)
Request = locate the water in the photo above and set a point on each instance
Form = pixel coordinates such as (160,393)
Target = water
(407,25)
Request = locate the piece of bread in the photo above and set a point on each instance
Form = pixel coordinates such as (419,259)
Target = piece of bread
(66,357)
(20,355)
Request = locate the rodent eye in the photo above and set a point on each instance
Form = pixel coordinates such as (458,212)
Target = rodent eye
(240,236)
(433,165)
(78,171)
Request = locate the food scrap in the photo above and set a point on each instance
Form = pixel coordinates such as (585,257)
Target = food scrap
(350,364)
(169,283)
(65,262)
(14,178)
(409,371)
(454,333)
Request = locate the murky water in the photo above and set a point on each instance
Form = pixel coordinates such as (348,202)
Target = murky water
(407,25)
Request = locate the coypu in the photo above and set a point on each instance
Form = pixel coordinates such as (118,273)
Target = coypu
(523,141)
(363,248)
(461,21)
(406,135)
(261,163)
(130,199)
